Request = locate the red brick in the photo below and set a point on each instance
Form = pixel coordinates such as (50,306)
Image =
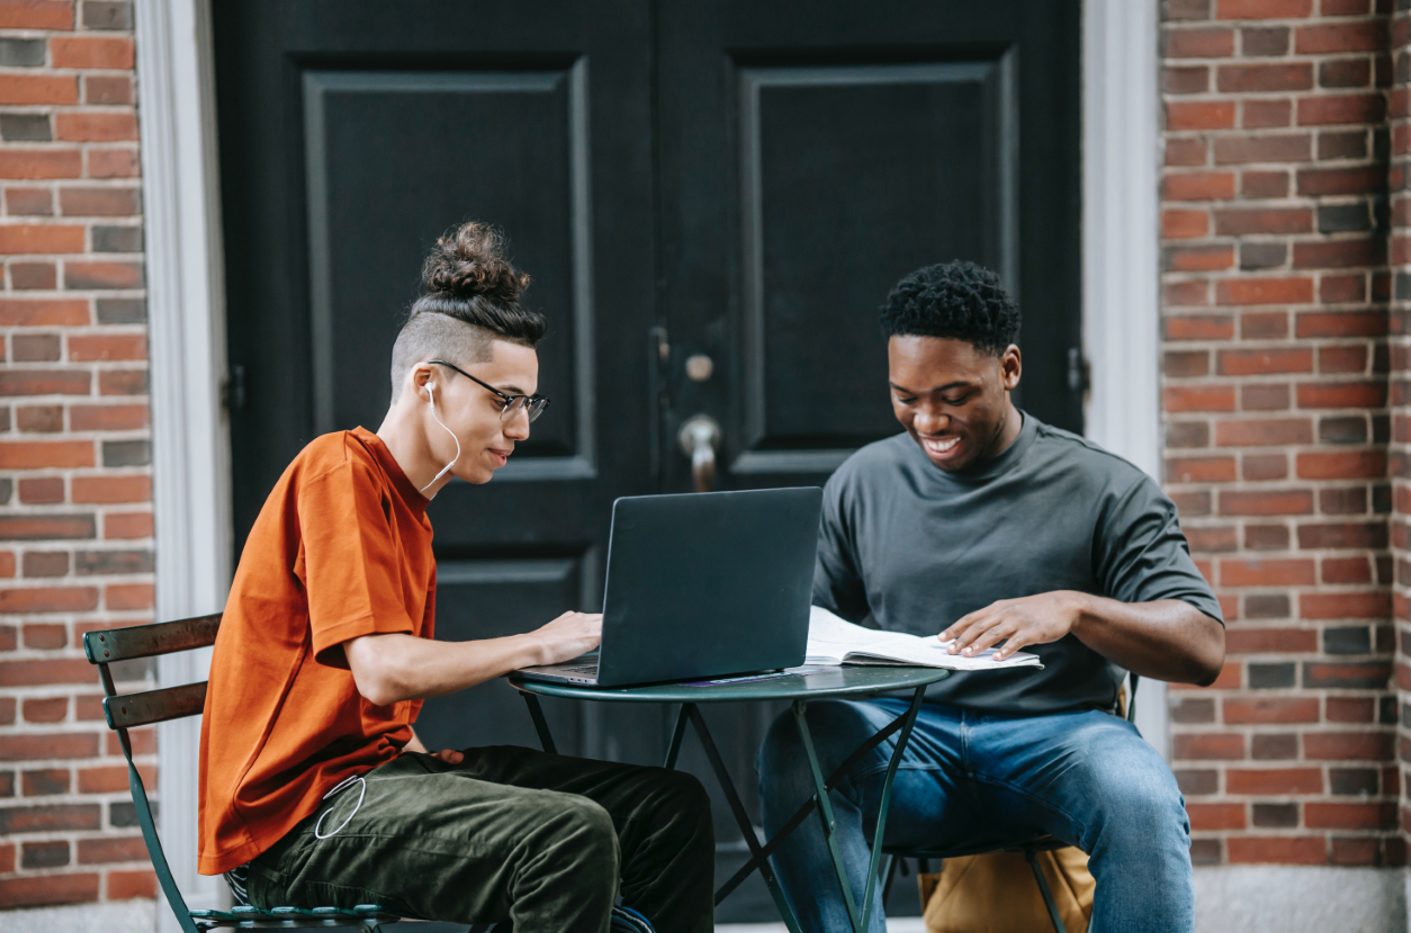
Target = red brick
(1264,397)
(1199,327)
(1347,746)
(1328,181)
(108,89)
(44,382)
(112,163)
(122,382)
(1282,850)
(42,490)
(40,163)
(36,14)
(1266,114)
(1354,605)
(1265,78)
(23,90)
(1325,110)
(1271,640)
(1264,432)
(1207,746)
(1342,536)
(110,850)
(1254,571)
(1338,254)
(1246,710)
(1199,43)
(1264,291)
(121,597)
(1334,289)
(1185,151)
(102,275)
(1198,398)
(1340,38)
(1200,258)
(48,599)
(1200,469)
(1199,115)
(127,525)
(115,417)
(1264,362)
(41,746)
(35,454)
(109,489)
(89,348)
(1337,570)
(1349,815)
(32,312)
(1270,502)
(95,127)
(39,527)
(40,238)
(1184,224)
(1264,184)
(124,885)
(33,276)
(45,782)
(1214,816)
(111,778)
(99,202)
(110,52)
(1274,781)
(29,202)
(1199,186)
(1353,464)
(44,637)
(1185,294)
(1342,359)
(1263,9)
(30,890)
(1340,324)
(1241,221)
(1341,395)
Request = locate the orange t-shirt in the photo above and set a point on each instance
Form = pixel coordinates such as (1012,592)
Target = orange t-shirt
(341,548)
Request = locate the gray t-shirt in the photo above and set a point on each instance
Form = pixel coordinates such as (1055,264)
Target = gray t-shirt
(905,546)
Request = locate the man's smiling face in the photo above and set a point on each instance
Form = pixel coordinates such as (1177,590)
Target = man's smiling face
(953,397)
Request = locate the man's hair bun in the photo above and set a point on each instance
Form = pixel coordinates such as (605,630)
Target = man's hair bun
(469,262)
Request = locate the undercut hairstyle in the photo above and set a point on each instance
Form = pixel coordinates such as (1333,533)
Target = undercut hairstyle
(957,300)
(469,298)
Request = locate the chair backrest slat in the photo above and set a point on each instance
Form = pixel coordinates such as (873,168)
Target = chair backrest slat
(140,709)
(144,641)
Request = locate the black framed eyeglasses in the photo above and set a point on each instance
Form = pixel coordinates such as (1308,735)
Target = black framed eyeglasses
(533,405)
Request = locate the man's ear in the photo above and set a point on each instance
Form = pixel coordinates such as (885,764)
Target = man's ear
(1011,367)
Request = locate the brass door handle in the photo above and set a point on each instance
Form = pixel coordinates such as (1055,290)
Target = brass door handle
(699,437)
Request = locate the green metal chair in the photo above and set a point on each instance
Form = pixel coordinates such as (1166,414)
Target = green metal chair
(1031,847)
(125,711)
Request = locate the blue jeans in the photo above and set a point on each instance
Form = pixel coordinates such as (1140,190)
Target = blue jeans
(1087,778)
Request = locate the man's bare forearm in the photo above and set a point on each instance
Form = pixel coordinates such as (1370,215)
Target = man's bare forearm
(1167,639)
(397,666)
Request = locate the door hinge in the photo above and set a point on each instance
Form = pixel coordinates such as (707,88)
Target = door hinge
(1079,372)
(232,392)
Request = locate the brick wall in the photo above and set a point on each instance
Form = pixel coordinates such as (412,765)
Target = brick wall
(1399,186)
(1275,365)
(75,483)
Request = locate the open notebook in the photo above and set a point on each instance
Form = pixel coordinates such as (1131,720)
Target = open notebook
(833,640)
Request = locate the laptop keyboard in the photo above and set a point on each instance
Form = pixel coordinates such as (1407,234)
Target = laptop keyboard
(591,668)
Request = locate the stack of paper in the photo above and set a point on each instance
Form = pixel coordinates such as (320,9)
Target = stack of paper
(833,640)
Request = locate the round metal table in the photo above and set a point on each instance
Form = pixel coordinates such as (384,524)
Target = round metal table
(798,685)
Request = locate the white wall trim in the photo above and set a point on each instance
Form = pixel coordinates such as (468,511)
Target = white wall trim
(1121,273)
(190,440)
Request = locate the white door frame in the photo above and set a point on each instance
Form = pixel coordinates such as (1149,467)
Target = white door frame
(186,312)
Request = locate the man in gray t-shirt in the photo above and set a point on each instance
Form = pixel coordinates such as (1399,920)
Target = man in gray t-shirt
(982,524)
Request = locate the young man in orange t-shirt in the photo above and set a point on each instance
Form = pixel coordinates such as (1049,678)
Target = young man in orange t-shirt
(314,786)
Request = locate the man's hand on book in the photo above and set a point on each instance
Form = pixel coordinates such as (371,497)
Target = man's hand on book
(1017,623)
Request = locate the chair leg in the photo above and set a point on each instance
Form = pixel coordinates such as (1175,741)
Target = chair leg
(1031,857)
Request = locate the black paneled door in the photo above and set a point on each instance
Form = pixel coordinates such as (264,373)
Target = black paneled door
(713,198)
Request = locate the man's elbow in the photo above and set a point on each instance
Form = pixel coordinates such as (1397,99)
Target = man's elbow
(376,671)
(1209,660)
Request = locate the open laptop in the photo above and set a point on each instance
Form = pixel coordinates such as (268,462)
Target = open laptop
(702,585)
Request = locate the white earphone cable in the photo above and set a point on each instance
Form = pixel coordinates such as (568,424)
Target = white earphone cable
(431,400)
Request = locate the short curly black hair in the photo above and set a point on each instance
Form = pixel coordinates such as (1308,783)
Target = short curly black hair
(956,299)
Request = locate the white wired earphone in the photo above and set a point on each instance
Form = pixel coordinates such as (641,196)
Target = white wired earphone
(431,400)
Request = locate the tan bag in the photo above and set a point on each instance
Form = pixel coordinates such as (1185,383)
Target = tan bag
(996,893)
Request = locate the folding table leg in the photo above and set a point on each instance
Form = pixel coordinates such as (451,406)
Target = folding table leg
(737,809)
(541,725)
